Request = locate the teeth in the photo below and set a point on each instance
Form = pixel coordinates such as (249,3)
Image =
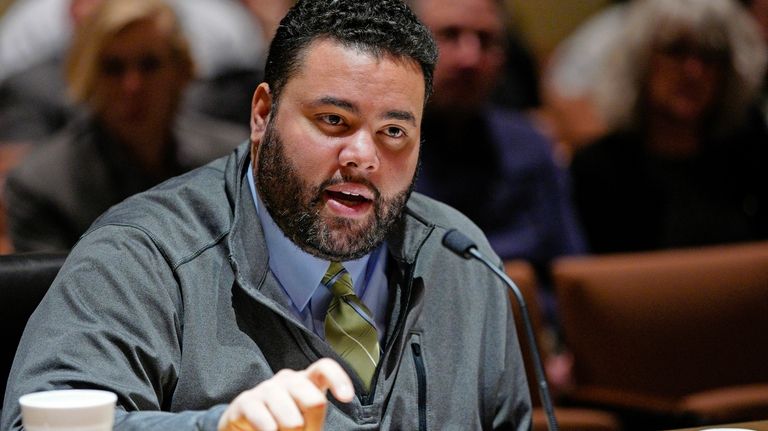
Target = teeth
(350,194)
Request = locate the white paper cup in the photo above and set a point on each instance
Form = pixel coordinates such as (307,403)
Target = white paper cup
(68,410)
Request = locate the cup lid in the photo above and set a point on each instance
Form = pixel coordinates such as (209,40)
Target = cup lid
(68,409)
(68,399)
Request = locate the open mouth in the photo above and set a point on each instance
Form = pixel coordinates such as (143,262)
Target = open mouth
(347,199)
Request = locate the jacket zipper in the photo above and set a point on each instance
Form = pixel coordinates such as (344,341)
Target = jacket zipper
(368,399)
(421,378)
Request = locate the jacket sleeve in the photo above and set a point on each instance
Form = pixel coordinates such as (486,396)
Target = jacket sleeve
(111,320)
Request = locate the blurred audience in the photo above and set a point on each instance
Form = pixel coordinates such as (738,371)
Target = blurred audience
(228,40)
(128,66)
(487,161)
(222,33)
(491,162)
(571,78)
(684,163)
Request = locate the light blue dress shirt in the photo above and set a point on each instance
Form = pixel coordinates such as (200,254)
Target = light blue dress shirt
(300,275)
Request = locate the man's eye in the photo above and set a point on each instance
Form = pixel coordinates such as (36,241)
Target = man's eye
(394,132)
(333,120)
(449,34)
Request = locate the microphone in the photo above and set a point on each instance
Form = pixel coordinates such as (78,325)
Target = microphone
(460,244)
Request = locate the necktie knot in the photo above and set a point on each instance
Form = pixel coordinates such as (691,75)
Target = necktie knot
(338,280)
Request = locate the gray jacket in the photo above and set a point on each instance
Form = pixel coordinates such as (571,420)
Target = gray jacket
(169,302)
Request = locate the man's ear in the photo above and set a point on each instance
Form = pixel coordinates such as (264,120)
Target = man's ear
(261,106)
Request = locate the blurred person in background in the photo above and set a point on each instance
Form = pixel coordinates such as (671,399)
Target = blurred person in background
(684,164)
(490,162)
(487,161)
(227,39)
(128,67)
(221,33)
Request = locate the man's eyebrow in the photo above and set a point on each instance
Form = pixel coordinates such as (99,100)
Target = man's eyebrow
(400,115)
(340,103)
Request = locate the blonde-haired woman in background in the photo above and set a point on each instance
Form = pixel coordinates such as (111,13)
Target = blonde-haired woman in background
(127,68)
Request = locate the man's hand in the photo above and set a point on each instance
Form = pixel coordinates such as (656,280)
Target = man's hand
(289,400)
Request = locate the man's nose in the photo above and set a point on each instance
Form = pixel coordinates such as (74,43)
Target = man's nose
(359,152)
(469,49)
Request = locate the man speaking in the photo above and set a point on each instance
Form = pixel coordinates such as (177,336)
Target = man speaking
(303,250)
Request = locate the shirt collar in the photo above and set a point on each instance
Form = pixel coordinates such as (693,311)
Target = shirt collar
(299,272)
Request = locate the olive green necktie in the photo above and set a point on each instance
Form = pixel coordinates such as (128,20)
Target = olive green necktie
(348,325)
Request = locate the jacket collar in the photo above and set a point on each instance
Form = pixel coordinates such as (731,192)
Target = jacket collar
(407,237)
(248,252)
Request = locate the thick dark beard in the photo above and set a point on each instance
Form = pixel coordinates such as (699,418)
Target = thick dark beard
(295,207)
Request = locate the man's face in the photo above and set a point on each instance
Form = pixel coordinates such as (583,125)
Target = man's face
(470,36)
(335,163)
(139,82)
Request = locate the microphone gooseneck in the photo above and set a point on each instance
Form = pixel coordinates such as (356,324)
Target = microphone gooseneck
(460,244)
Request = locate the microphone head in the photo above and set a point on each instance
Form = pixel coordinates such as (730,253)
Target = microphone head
(458,243)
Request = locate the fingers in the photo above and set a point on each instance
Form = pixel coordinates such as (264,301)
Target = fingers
(289,400)
(290,397)
(328,374)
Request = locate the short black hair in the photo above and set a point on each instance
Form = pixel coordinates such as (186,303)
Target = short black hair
(377,27)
